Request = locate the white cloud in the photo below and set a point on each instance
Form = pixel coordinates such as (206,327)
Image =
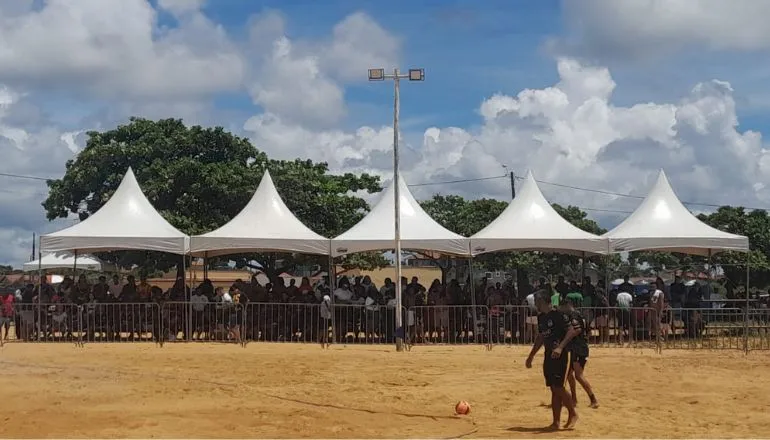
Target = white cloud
(181,7)
(114,48)
(634,28)
(569,133)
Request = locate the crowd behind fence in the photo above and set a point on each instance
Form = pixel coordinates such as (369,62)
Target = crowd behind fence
(680,328)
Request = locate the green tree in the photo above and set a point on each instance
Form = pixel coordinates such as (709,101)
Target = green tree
(756,226)
(198,179)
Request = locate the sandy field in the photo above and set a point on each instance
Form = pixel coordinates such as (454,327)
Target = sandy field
(287,390)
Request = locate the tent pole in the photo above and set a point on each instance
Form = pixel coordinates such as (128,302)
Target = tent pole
(75,265)
(472,290)
(583,269)
(746,317)
(188,336)
(331,278)
(39,288)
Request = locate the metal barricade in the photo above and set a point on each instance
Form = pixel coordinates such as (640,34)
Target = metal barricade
(512,325)
(366,324)
(636,327)
(449,324)
(283,322)
(759,329)
(90,322)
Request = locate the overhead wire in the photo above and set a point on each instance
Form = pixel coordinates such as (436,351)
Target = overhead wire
(479,179)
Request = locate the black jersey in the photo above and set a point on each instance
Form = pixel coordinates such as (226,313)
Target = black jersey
(579,344)
(553,328)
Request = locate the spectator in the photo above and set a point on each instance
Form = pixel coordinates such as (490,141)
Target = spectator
(116,287)
(7,314)
(626,286)
(625,301)
(561,287)
(342,293)
(144,289)
(575,294)
(677,292)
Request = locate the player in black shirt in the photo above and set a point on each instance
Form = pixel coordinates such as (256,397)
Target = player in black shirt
(578,347)
(554,333)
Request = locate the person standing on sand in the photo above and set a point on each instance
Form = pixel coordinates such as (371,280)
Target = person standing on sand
(555,333)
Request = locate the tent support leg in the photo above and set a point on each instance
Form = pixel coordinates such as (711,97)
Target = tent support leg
(472,290)
(748,302)
(39,327)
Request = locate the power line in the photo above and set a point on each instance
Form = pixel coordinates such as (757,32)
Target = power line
(22,176)
(631,196)
(449,182)
(487,178)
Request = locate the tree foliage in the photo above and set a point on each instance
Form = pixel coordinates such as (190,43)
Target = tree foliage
(198,179)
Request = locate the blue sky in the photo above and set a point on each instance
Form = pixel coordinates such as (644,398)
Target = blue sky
(597,94)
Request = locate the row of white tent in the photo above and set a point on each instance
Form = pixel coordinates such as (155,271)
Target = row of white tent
(128,221)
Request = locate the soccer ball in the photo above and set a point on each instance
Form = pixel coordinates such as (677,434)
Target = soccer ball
(462,408)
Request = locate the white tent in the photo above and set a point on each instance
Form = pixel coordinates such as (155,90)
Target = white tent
(126,221)
(418,230)
(530,223)
(662,223)
(265,224)
(62,261)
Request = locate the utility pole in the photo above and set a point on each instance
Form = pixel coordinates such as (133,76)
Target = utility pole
(32,258)
(513,185)
(396,76)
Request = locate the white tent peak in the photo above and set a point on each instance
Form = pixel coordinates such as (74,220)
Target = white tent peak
(127,221)
(662,222)
(265,223)
(418,230)
(531,223)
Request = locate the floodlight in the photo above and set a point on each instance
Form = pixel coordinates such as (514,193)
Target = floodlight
(416,74)
(376,74)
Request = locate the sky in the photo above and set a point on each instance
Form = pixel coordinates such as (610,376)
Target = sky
(593,94)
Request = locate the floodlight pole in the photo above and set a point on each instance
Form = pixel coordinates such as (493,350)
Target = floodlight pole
(396,76)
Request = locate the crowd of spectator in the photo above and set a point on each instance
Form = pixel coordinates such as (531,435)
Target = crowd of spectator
(210,312)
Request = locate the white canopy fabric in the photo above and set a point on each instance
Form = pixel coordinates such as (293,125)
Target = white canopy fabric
(264,224)
(418,230)
(128,221)
(63,261)
(530,223)
(662,223)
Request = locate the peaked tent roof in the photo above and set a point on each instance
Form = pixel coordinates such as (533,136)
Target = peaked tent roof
(127,221)
(662,223)
(63,260)
(418,230)
(530,223)
(264,224)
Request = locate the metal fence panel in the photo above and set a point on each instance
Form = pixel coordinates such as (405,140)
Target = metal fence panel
(448,324)
(680,328)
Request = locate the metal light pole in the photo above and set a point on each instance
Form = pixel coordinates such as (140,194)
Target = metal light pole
(396,76)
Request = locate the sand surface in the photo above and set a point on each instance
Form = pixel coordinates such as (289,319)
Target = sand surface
(287,390)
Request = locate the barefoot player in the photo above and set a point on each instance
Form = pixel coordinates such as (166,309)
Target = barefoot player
(555,332)
(578,348)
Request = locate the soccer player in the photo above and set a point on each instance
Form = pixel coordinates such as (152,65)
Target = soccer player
(554,333)
(578,348)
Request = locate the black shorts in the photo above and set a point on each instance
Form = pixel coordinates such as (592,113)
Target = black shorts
(579,360)
(555,370)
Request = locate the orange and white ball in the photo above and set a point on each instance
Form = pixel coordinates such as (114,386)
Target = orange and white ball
(462,408)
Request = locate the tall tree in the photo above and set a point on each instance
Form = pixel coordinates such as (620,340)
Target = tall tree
(198,179)
(756,226)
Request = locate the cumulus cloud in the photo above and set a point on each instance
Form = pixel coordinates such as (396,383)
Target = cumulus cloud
(570,133)
(644,28)
(114,48)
